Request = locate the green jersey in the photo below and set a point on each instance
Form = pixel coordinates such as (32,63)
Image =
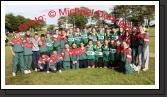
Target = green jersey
(17,45)
(77,39)
(98,52)
(106,52)
(114,36)
(101,36)
(90,52)
(49,44)
(94,37)
(70,39)
(82,55)
(112,52)
(84,37)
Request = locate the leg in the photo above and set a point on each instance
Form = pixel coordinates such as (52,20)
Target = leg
(77,65)
(15,62)
(22,65)
(29,62)
(33,60)
(146,58)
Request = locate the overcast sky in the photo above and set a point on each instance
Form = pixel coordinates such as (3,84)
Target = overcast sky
(32,11)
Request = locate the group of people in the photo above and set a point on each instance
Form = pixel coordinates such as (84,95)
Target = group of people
(96,47)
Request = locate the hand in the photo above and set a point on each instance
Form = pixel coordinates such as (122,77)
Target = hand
(13,53)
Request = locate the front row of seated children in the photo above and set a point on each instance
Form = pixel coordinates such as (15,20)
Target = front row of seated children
(111,54)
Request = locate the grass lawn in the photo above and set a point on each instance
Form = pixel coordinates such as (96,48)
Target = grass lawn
(89,76)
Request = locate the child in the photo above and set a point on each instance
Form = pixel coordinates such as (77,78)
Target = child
(106,52)
(49,43)
(117,51)
(84,36)
(94,36)
(55,61)
(114,53)
(98,54)
(143,49)
(42,44)
(82,56)
(66,57)
(27,53)
(17,52)
(74,56)
(101,35)
(114,34)
(77,37)
(90,54)
(36,53)
(63,40)
(43,62)
(70,37)
(56,39)
(126,58)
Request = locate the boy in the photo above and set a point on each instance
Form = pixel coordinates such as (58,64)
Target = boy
(63,40)
(98,54)
(118,55)
(42,44)
(17,52)
(43,62)
(77,37)
(90,54)
(66,57)
(56,39)
(55,61)
(114,34)
(101,35)
(94,36)
(27,53)
(49,43)
(36,53)
(114,57)
(70,37)
(74,56)
(82,56)
(106,52)
(84,36)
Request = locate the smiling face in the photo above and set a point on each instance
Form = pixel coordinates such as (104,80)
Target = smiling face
(74,45)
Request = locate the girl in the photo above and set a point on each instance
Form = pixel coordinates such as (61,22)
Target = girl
(42,44)
(126,58)
(143,49)
(98,54)
(74,57)
(90,54)
(66,57)
(17,52)
(43,64)
(27,53)
(106,52)
(82,56)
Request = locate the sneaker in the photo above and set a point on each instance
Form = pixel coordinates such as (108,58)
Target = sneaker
(13,74)
(105,66)
(47,72)
(29,71)
(145,69)
(88,66)
(60,71)
(26,72)
(36,69)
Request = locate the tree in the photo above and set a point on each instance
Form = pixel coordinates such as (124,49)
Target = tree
(50,27)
